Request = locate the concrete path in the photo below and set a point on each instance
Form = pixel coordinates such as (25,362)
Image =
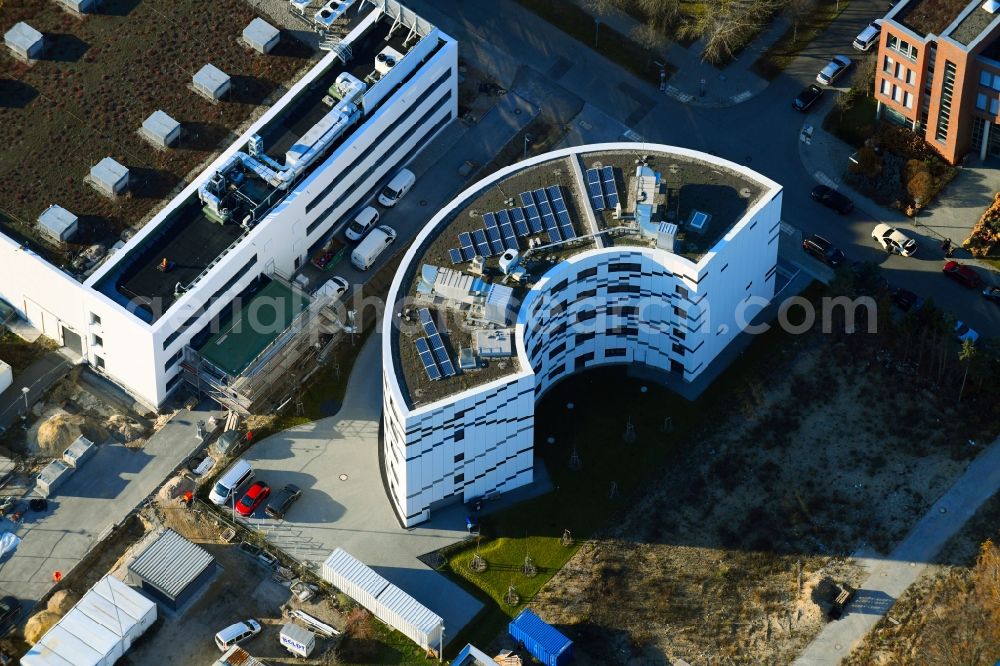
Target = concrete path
(889,577)
(37,377)
(94,499)
(344,503)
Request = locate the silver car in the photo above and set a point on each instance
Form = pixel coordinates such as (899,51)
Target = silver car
(833,70)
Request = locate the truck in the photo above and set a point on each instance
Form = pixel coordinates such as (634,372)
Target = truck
(329,255)
(297,640)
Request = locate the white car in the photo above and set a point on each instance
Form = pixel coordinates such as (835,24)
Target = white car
(359,226)
(833,70)
(334,288)
(894,241)
(963,332)
(869,36)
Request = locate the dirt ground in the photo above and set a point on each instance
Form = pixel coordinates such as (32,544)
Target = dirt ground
(242,588)
(719,558)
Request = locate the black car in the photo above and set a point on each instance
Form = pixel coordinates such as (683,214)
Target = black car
(824,250)
(807,98)
(10,610)
(831,198)
(905,300)
(992,294)
(280,501)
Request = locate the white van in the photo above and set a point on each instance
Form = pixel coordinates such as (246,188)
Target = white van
(230,482)
(397,187)
(371,247)
(360,225)
(235,634)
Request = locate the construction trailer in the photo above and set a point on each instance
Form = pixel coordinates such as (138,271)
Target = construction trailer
(543,641)
(98,630)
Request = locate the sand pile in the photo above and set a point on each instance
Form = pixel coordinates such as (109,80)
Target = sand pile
(61,430)
(125,429)
(38,625)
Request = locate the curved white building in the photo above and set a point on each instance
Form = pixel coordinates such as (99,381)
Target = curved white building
(667,278)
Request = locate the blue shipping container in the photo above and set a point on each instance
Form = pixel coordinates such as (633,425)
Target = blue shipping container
(543,642)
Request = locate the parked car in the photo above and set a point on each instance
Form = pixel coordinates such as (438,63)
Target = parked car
(334,288)
(824,250)
(963,332)
(278,505)
(992,294)
(906,300)
(359,226)
(10,610)
(237,633)
(869,36)
(831,198)
(807,98)
(396,188)
(894,241)
(833,70)
(256,494)
(962,274)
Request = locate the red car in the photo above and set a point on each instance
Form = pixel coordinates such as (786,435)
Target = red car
(256,494)
(962,274)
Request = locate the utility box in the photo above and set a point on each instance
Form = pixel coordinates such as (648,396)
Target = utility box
(110,177)
(541,640)
(211,82)
(6,376)
(24,41)
(161,130)
(261,36)
(79,452)
(297,640)
(52,476)
(79,6)
(58,224)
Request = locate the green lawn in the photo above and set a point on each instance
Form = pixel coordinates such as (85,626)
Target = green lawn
(581,501)
(854,122)
(788,47)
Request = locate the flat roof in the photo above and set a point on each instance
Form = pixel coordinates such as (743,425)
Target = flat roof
(687,185)
(259,322)
(170,563)
(926,17)
(105,75)
(973,24)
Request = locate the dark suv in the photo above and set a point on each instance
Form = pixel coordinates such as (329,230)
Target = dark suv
(831,198)
(281,501)
(807,98)
(824,250)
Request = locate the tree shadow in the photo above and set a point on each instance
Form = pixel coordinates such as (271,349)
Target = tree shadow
(117,7)
(15,94)
(64,47)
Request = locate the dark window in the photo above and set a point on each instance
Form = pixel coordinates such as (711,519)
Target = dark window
(586,315)
(624,289)
(677,367)
(582,360)
(559,287)
(98,341)
(558,349)
(173,381)
(679,334)
(585,294)
(559,330)
(172,361)
(681,291)
(624,268)
(679,349)
(99,361)
(459,435)
(614,353)
(558,370)
(459,478)
(680,312)
(460,457)
(95,319)
(624,310)
(589,273)
(583,337)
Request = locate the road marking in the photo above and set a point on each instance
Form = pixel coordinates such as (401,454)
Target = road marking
(742,97)
(684,98)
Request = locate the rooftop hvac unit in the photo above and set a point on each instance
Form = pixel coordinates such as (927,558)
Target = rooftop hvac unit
(699,220)
(386,60)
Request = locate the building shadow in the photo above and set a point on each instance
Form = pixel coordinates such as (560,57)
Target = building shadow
(16,94)
(117,7)
(64,47)
(291,46)
(201,136)
(249,89)
(147,183)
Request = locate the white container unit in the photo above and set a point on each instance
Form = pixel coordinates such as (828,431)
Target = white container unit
(297,640)
(52,476)
(385,601)
(79,452)
(98,630)
(6,376)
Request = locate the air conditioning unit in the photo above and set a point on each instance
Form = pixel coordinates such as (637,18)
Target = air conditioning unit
(386,60)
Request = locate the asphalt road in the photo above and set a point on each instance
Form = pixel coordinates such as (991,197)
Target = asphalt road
(762,132)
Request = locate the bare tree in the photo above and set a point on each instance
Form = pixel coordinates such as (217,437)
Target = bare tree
(799,10)
(728,25)
(966,354)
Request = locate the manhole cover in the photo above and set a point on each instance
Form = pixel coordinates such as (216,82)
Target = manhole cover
(343,477)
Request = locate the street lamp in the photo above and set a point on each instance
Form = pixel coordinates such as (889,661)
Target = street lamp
(527,140)
(25,391)
(597,30)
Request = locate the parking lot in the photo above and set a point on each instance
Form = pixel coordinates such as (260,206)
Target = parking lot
(335,463)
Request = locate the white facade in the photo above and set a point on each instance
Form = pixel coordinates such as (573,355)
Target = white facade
(611,305)
(143,357)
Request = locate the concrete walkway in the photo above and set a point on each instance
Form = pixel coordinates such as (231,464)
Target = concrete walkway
(37,377)
(889,577)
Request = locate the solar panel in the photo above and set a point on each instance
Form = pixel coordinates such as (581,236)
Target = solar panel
(482,245)
(465,241)
(456,256)
(436,343)
(548,217)
(496,240)
(562,214)
(520,222)
(531,210)
(610,188)
(489,220)
(594,189)
(507,229)
(425,318)
(430,367)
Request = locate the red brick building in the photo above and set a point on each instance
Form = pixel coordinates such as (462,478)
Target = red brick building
(938,73)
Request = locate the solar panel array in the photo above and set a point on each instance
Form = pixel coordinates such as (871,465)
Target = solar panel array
(433,354)
(601,188)
(543,210)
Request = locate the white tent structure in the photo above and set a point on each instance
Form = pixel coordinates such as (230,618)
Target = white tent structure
(98,630)
(385,601)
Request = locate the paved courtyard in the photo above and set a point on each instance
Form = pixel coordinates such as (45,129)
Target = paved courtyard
(343,503)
